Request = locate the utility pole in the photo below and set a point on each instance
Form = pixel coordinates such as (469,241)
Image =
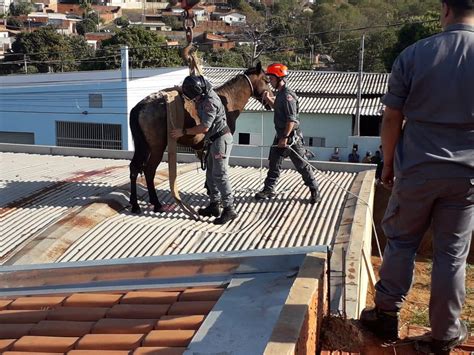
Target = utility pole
(359,87)
(339,37)
(26,64)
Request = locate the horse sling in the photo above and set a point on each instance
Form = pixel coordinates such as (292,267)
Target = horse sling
(175,118)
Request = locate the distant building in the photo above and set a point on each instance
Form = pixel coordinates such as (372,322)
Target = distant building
(4,6)
(229,18)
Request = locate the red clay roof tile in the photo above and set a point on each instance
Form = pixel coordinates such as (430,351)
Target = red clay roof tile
(150,297)
(10,331)
(4,304)
(159,351)
(102,352)
(22,316)
(109,342)
(36,302)
(179,322)
(29,353)
(92,300)
(168,338)
(201,294)
(62,328)
(191,307)
(6,344)
(123,326)
(80,314)
(138,311)
(45,344)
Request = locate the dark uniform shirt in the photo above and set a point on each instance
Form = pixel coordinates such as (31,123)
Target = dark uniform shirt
(212,113)
(286,109)
(432,82)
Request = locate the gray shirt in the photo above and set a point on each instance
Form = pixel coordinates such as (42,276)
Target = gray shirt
(432,82)
(212,113)
(286,109)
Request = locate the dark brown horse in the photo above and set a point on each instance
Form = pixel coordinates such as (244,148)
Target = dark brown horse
(148,123)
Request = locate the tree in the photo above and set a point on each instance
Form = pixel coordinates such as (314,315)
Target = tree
(122,21)
(147,49)
(20,8)
(419,27)
(14,24)
(50,51)
(173,22)
(224,58)
(86,26)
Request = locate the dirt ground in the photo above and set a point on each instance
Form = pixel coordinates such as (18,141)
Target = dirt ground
(415,310)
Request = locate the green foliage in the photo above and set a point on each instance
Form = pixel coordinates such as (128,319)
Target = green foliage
(173,22)
(14,23)
(48,51)
(86,26)
(122,21)
(20,8)
(147,49)
(224,58)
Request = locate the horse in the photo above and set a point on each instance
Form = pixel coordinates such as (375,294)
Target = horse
(148,124)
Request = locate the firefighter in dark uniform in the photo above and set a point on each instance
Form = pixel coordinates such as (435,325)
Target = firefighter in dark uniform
(219,144)
(287,129)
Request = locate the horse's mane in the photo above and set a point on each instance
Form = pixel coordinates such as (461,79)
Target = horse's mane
(228,83)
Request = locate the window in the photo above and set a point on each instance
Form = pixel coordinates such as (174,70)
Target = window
(88,135)
(244,138)
(316,141)
(95,100)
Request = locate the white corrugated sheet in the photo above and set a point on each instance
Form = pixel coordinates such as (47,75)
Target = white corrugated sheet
(305,82)
(48,188)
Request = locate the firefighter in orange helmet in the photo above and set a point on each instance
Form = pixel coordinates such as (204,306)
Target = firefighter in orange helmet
(287,126)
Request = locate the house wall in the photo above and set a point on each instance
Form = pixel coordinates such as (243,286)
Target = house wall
(334,128)
(33,103)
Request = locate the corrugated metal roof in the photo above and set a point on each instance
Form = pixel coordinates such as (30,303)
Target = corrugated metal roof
(310,83)
(330,105)
(52,187)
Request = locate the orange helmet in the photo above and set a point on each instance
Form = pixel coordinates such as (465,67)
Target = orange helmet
(277,69)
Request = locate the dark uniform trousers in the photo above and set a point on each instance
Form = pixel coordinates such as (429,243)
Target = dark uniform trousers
(298,158)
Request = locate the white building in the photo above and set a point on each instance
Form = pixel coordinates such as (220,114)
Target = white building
(232,18)
(4,6)
(65,109)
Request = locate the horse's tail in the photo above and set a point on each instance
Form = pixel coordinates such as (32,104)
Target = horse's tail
(140,156)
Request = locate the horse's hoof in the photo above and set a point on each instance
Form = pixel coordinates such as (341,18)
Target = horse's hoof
(159,209)
(136,209)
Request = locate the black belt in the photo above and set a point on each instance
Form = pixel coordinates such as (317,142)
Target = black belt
(223,131)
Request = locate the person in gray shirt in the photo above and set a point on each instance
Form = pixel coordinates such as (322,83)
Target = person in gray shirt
(288,132)
(428,149)
(213,124)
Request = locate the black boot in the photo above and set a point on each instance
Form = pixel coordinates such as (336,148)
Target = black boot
(228,214)
(443,347)
(382,323)
(315,196)
(212,210)
(264,194)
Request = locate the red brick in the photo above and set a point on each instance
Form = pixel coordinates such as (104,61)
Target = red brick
(61,328)
(36,302)
(201,294)
(92,300)
(123,326)
(45,344)
(159,351)
(6,344)
(150,297)
(191,307)
(79,314)
(138,311)
(109,342)
(168,338)
(29,353)
(4,304)
(10,331)
(180,322)
(22,316)
(94,352)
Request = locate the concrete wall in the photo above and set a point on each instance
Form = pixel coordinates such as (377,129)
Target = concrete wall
(33,103)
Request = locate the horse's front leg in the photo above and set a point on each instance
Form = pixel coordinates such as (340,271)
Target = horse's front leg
(134,171)
(150,171)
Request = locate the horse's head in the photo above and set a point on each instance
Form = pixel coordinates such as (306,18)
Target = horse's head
(258,80)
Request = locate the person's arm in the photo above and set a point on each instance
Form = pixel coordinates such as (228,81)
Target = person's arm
(178,133)
(282,142)
(391,131)
(291,113)
(268,99)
